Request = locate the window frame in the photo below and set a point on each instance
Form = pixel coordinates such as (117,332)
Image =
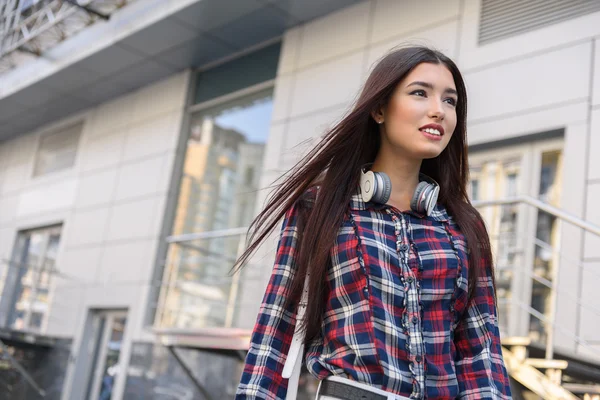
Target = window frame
(80,125)
(10,294)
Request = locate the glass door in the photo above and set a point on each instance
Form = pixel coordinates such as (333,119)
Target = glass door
(108,335)
(500,174)
(521,237)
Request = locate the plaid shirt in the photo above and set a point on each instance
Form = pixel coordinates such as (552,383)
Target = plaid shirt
(396,316)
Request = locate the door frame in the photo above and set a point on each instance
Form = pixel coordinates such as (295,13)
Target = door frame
(530,156)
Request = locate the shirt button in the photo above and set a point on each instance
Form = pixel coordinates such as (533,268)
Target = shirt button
(403,247)
(418,359)
(415,320)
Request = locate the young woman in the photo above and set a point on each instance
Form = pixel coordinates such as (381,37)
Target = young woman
(401,286)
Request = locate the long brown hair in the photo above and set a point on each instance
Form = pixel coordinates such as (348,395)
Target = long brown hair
(336,161)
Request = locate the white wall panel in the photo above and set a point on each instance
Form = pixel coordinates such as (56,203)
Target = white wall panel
(96,188)
(290,46)
(543,80)
(127,262)
(328,84)
(592,242)
(594,151)
(87,227)
(154,135)
(103,151)
(530,122)
(139,178)
(47,198)
(441,37)
(399,17)
(133,220)
(335,35)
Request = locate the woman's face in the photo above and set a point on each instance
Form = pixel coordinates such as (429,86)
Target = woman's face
(420,118)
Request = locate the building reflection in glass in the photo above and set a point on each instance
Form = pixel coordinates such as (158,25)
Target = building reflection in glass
(221,175)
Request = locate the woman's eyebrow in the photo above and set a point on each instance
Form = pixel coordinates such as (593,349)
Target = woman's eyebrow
(430,86)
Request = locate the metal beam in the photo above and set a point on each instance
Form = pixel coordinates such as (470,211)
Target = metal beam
(533,379)
(188,372)
(21,370)
(90,10)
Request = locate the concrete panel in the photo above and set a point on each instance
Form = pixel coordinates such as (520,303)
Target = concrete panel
(102,152)
(568,284)
(15,177)
(47,198)
(399,17)
(304,133)
(594,160)
(574,168)
(8,208)
(326,85)
(139,178)
(166,95)
(531,83)
(111,296)
(592,242)
(282,97)
(156,135)
(290,47)
(596,77)
(128,262)
(589,323)
(66,313)
(335,35)
(7,239)
(96,188)
(111,116)
(549,37)
(87,227)
(79,266)
(529,122)
(133,220)
(441,37)
(273,148)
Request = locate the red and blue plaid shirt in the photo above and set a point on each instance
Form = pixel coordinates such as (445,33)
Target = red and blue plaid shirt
(396,315)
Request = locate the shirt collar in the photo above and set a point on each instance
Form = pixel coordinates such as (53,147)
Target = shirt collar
(438,213)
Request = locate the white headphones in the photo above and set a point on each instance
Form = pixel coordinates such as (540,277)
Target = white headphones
(377,187)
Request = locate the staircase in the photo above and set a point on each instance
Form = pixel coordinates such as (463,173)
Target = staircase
(551,379)
(538,369)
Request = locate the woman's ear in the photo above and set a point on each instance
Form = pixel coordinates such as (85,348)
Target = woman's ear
(377,115)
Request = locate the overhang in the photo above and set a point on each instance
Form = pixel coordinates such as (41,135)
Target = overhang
(142,43)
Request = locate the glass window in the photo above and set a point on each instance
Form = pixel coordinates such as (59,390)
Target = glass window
(221,175)
(251,69)
(33,264)
(57,151)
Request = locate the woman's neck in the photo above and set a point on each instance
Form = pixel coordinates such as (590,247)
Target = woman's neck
(404,174)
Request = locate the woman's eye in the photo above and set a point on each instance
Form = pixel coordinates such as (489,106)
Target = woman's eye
(451,101)
(419,93)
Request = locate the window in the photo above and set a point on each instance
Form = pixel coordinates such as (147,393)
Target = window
(31,268)
(217,198)
(57,150)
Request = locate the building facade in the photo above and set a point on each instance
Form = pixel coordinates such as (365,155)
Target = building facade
(134,153)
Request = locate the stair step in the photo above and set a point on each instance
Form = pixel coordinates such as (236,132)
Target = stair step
(582,388)
(542,363)
(516,341)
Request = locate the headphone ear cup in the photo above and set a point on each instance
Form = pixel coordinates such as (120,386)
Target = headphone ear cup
(418,201)
(385,190)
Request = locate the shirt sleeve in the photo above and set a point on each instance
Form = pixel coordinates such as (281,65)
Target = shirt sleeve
(480,368)
(274,329)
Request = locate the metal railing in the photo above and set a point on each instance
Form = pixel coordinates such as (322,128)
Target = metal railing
(33,26)
(550,320)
